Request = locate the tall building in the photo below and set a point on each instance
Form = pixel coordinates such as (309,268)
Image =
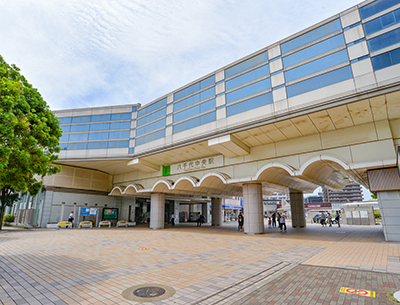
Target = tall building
(350,193)
(316,108)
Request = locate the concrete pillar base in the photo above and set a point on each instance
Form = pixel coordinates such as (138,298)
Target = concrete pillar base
(157,211)
(297,208)
(216,211)
(253,209)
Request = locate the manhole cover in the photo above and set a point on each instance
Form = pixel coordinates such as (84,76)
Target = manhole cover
(149,292)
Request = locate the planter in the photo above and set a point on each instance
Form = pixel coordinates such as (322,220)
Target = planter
(51,226)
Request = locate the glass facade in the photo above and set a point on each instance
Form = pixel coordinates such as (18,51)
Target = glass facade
(315,59)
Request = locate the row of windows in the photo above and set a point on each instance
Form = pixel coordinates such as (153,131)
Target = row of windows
(249,104)
(153,126)
(386,59)
(257,87)
(314,50)
(201,96)
(195,110)
(247,64)
(319,81)
(195,87)
(96,127)
(95,145)
(384,40)
(247,77)
(382,22)
(96,118)
(201,120)
(152,117)
(376,7)
(150,137)
(317,65)
(95,136)
(152,107)
(311,36)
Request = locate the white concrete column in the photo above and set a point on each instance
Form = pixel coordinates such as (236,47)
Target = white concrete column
(157,211)
(216,211)
(176,211)
(297,208)
(75,215)
(389,205)
(62,211)
(253,209)
(204,212)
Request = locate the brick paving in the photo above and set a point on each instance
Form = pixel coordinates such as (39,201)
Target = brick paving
(204,265)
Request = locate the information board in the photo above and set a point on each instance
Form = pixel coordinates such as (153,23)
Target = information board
(110,213)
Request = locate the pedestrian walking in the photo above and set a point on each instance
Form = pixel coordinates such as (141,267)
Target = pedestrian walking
(337,218)
(200,220)
(323,219)
(71,218)
(269,223)
(282,223)
(330,219)
(273,219)
(240,222)
(173,220)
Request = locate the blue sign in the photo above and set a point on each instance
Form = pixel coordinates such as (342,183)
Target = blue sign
(88,211)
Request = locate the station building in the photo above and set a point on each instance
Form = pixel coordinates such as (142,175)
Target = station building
(318,108)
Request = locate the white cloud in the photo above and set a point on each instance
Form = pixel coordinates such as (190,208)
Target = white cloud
(93,53)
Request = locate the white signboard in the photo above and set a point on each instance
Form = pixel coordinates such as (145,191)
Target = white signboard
(195,165)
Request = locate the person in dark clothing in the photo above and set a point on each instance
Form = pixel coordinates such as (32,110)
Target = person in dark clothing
(273,219)
(240,222)
(200,220)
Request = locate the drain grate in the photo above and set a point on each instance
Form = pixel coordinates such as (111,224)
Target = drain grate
(149,292)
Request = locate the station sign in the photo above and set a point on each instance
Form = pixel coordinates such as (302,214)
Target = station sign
(194,165)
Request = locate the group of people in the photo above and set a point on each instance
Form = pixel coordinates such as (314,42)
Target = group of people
(327,219)
(281,218)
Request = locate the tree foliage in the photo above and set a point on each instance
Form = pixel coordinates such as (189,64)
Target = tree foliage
(29,136)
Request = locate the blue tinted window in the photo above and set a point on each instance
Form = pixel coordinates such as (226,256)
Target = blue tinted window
(121,116)
(319,81)
(384,40)
(118,144)
(247,64)
(201,120)
(152,107)
(65,128)
(101,117)
(134,108)
(97,145)
(194,110)
(262,85)
(63,146)
(311,36)
(195,87)
(103,126)
(98,136)
(153,126)
(120,125)
(317,65)
(77,128)
(150,137)
(131,150)
(64,138)
(315,50)
(78,137)
(81,119)
(77,146)
(247,77)
(376,7)
(194,99)
(151,117)
(119,134)
(65,120)
(386,59)
(382,22)
(249,104)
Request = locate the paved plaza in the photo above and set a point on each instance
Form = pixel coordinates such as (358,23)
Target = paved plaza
(200,265)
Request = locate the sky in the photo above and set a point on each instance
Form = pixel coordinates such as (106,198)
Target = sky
(99,53)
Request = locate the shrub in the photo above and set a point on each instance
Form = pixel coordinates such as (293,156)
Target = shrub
(377,214)
(8,218)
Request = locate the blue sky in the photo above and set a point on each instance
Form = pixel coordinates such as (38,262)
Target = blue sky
(97,53)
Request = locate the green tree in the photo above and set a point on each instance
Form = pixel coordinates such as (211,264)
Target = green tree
(29,137)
